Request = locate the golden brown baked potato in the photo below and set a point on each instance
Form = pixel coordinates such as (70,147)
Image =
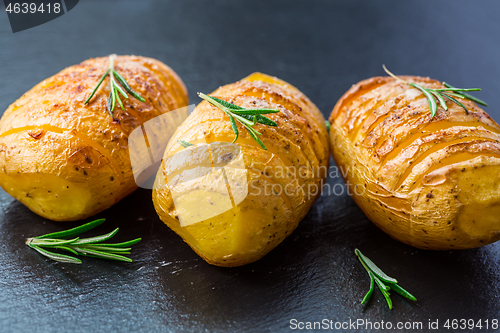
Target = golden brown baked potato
(433,183)
(233,203)
(65,160)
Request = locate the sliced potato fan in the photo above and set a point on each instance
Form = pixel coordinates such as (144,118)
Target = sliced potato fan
(431,182)
(234,202)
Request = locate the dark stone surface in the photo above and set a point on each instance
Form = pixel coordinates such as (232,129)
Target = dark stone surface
(322,48)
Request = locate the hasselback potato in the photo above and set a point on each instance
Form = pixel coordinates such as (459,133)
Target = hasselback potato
(66,160)
(431,182)
(233,203)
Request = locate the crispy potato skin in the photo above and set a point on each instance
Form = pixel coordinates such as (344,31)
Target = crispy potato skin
(252,228)
(433,183)
(65,160)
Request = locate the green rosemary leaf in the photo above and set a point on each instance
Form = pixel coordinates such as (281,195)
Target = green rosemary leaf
(234,127)
(118,97)
(240,110)
(137,96)
(244,120)
(218,103)
(468,96)
(73,232)
(101,254)
(120,102)
(255,111)
(260,119)
(456,95)
(96,239)
(113,95)
(256,138)
(65,248)
(370,292)
(430,98)
(384,289)
(221,102)
(105,248)
(456,101)
(120,89)
(185,144)
(457,89)
(253,130)
(397,288)
(377,271)
(97,87)
(56,256)
(124,244)
(122,80)
(110,104)
(265,121)
(46,242)
(127,87)
(380,283)
(327,124)
(441,100)
(254,120)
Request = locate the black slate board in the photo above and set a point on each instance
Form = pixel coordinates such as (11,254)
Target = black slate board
(322,47)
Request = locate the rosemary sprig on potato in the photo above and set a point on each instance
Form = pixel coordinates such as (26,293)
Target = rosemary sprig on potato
(116,90)
(247,117)
(382,280)
(449,92)
(90,247)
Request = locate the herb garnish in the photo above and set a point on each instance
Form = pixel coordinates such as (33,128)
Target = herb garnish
(183,143)
(115,88)
(247,117)
(89,247)
(383,281)
(449,92)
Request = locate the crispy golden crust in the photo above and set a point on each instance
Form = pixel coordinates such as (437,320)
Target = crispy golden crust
(433,183)
(50,131)
(296,159)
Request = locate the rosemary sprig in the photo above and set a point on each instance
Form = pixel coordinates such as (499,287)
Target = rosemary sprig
(247,117)
(382,280)
(439,95)
(116,90)
(90,247)
(183,143)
